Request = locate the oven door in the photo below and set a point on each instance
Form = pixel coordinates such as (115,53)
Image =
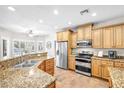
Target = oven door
(83,70)
(83,64)
(84,60)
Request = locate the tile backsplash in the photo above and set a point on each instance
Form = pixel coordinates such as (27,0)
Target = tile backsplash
(120,52)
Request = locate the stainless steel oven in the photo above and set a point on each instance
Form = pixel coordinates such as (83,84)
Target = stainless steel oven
(84,43)
(83,63)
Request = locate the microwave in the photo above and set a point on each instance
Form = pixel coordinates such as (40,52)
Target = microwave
(84,43)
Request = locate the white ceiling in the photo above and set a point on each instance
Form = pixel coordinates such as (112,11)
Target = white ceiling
(27,17)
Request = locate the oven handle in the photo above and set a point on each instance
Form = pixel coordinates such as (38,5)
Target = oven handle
(83,59)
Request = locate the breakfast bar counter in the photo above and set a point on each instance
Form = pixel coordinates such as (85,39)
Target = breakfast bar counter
(26,77)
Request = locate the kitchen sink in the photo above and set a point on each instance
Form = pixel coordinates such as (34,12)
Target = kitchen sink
(28,63)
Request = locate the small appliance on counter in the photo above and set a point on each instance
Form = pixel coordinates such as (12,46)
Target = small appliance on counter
(100,54)
(112,54)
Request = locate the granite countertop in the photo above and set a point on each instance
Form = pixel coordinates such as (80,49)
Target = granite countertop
(27,77)
(117,76)
(106,58)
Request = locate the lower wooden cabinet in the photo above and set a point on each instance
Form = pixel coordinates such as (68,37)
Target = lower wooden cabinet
(47,66)
(72,62)
(100,68)
(104,67)
(53,85)
(42,66)
(119,64)
(96,68)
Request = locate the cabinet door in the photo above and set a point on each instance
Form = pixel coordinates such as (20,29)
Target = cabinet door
(119,64)
(80,33)
(96,67)
(49,66)
(74,40)
(65,36)
(108,38)
(105,65)
(87,32)
(118,36)
(42,66)
(59,36)
(72,62)
(97,38)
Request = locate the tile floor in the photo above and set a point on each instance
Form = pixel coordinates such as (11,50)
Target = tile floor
(70,79)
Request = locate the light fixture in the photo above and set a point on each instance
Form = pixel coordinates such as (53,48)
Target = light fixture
(56,27)
(11,8)
(56,12)
(84,11)
(93,14)
(69,23)
(41,21)
(30,33)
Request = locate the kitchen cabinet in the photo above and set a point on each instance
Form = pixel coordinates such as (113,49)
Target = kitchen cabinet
(73,40)
(119,64)
(108,37)
(100,68)
(96,68)
(63,36)
(97,38)
(84,32)
(80,33)
(59,36)
(72,62)
(53,85)
(119,36)
(47,66)
(42,66)
(87,32)
(105,65)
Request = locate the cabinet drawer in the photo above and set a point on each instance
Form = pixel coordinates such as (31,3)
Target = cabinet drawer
(119,64)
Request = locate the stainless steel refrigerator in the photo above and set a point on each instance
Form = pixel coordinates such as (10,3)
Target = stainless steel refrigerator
(61,55)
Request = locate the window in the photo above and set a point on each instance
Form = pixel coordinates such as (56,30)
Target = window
(40,46)
(16,48)
(4,48)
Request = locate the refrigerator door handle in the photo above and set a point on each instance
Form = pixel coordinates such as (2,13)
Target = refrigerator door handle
(57,52)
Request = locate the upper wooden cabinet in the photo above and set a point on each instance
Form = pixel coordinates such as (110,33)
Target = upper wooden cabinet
(63,36)
(119,36)
(59,36)
(97,38)
(73,40)
(108,38)
(84,32)
(80,33)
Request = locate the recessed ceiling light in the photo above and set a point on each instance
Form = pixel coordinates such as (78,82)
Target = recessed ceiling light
(93,14)
(56,27)
(11,8)
(69,23)
(41,21)
(56,12)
